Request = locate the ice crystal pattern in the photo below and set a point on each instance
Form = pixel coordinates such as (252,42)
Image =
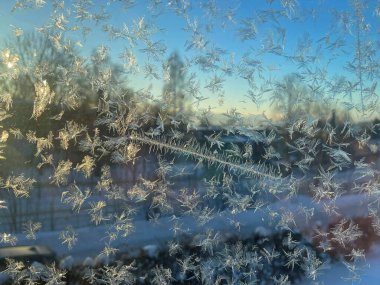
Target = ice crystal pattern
(219,132)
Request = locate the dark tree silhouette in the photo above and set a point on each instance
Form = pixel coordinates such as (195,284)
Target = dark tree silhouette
(174,95)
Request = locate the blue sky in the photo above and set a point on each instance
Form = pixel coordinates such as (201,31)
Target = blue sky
(315,21)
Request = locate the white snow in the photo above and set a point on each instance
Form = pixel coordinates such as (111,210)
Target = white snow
(339,274)
(66,263)
(151,236)
(92,240)
(150,250)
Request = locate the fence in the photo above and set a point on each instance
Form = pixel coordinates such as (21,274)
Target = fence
(44,204)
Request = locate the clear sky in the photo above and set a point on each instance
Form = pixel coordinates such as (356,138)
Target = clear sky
(262,37)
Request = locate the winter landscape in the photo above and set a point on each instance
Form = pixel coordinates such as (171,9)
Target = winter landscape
(189,142)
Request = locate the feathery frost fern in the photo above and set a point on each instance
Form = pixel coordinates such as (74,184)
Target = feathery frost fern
(239,152)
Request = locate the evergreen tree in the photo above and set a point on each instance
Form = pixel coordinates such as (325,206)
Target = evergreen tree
(174,89)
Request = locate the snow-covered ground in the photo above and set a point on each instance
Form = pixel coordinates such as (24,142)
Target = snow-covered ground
(92,240)
(368,272)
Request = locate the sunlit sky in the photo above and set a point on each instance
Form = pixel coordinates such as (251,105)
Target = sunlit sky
(309,19)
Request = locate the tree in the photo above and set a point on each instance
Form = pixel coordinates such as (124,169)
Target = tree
(174,95)
(287,97)
(293,100)
(53,94)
